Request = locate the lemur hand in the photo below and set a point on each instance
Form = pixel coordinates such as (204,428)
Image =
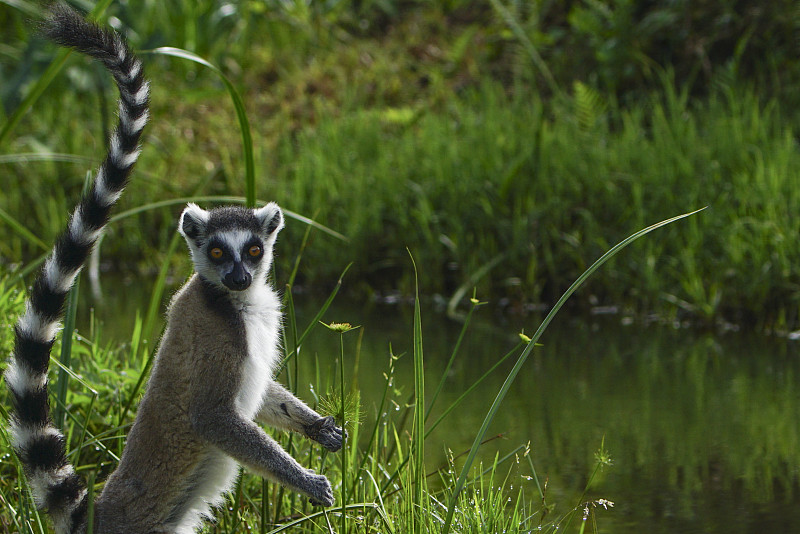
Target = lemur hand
(325,431)
(319,490)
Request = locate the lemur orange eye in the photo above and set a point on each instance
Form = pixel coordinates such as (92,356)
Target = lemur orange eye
(254,251)
(216,253)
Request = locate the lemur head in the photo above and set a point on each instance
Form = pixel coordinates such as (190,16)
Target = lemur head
(231,246)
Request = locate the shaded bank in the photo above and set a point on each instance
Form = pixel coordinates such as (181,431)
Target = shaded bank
(509,194)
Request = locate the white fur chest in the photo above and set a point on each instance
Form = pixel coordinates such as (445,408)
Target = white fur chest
(262,321)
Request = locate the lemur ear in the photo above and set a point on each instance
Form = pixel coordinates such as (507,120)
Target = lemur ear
(270,217)
(193,221)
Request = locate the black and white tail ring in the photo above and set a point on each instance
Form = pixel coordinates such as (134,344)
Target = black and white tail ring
(38,443)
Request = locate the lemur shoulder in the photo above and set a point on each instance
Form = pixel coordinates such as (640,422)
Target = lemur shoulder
(212,379)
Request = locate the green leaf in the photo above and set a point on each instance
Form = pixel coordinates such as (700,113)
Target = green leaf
(241,115)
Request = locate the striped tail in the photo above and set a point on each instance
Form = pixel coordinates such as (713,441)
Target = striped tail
(38,443)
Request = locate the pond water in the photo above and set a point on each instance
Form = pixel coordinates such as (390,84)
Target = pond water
(703,430)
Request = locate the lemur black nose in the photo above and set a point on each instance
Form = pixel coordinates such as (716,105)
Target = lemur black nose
(238,279)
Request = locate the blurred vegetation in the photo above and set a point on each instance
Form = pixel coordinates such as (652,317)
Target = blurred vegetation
(507,144)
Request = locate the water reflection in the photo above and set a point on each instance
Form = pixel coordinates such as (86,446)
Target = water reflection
(703,430)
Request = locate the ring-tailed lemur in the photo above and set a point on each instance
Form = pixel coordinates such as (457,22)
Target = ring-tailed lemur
(39,445)
(212,376)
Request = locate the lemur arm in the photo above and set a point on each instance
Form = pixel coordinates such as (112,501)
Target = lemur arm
(222,426)
(283,410)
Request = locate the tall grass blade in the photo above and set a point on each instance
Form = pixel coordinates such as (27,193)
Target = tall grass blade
(529,348)
(29,267)
(343,518)
(601,459)
(84,427)
(241,115)
(222,199)
(358,507)
(316,225)
(388,377)
(290,331)
(30,157)
(29,8)
(90,512)
(264,506)
(419,410)
(535,477)
(36,91)
(21,230)
(66,354)
(380,507)
(298,257)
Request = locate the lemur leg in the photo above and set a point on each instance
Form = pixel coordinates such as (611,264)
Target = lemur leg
(249,445)
(283,410)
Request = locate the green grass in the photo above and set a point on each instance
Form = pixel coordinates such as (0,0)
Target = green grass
(542,191)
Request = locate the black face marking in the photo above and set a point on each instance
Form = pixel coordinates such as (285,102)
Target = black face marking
(232,218)
(284,408)
(237,279)
(217,244)
(246,250)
